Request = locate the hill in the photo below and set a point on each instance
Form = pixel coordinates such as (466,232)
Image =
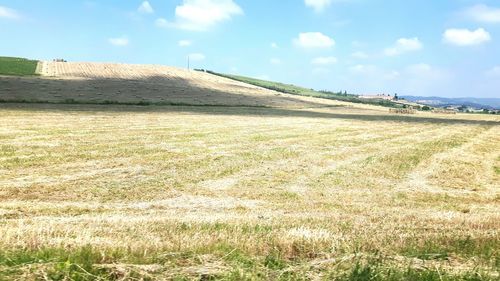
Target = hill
(111,83)
(486,103)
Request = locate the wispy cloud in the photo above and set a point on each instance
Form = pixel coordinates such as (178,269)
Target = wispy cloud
(466,37)
(483,13)
(8,13)
(318,5)
(274,45)
(313,40)
(119,41)
(201,15)
(404,45)
(145,8)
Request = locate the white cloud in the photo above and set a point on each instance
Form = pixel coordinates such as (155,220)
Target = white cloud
(274,45)
(145,8)
(324,60)
(8,13)
(201,15)
(404,45)
(196,57)
(483,13)
(314,40)
(465,37)
(120,41)
(275,61)
(318,5)
(359,55)
(184,43)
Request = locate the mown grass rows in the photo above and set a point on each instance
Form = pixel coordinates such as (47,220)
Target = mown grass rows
(88,195)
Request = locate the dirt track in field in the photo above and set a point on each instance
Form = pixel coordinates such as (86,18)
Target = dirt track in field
(125,83)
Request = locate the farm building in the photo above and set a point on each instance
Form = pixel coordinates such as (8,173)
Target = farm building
(377,97)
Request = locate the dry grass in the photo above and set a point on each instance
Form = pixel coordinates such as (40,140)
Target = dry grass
(123,192)
(109,83)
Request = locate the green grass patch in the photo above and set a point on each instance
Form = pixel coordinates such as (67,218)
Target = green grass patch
(87,263)
(17,66)
(378,271)
(444,247)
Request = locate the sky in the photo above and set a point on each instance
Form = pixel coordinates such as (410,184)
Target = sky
(448,48)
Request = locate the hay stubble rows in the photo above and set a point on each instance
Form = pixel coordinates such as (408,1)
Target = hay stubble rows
(187,180)
(306,188)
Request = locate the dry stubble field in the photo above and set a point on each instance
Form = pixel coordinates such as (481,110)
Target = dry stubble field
(111,83)
(133,193)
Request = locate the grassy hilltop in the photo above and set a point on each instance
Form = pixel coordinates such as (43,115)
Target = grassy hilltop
(17,66)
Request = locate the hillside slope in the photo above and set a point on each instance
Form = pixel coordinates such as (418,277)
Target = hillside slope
(301,91)
(17,66)
(106,83)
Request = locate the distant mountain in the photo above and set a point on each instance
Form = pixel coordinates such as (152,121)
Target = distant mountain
(485,103)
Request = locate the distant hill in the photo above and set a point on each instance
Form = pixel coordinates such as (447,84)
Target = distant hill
(486,103)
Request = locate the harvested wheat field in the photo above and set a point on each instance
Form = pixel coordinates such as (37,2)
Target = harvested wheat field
(111,83)
(94,192)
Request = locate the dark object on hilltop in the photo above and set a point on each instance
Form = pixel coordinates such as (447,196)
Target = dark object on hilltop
(59,60)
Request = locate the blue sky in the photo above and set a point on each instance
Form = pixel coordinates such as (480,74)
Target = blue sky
(447,48)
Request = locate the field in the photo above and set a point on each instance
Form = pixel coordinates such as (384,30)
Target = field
(99,192)
(17,66)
